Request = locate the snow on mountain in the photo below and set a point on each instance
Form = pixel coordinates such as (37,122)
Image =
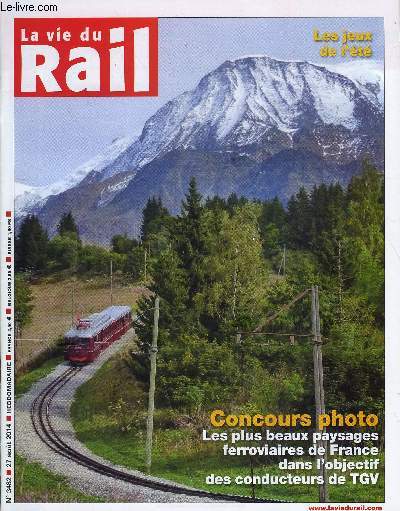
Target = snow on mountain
(253,100)
(312,125)
(108,193)
(244,102)
(368,75)
(28,197)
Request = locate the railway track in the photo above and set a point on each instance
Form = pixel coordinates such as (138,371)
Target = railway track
(41,419)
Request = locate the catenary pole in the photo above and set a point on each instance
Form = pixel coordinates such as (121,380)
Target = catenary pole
(284,260)
(318,385)
(73,302)
(111,283)
(152,387)
(145,265)
(318,369)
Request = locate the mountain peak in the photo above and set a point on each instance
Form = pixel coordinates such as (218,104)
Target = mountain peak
(254,100)
(242,100)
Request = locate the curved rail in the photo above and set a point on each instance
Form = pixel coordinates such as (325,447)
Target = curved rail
(41,420)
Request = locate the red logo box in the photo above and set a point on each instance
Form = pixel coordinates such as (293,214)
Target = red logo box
(85,57)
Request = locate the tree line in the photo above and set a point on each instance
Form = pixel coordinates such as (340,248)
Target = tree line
(38,255)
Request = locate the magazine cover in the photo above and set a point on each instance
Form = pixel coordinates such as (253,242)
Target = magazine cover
(194,201)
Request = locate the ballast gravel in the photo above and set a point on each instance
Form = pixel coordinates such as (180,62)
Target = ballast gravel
(29,444)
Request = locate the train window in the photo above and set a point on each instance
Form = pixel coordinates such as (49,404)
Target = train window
(77,340)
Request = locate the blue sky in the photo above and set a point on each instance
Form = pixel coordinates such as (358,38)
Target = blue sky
(53,136)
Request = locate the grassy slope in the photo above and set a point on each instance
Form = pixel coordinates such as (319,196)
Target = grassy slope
(35,484)
(178,453)
(25,381)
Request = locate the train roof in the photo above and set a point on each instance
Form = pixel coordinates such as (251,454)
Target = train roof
(94,323)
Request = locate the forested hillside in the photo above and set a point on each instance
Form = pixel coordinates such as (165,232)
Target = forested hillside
(221,267)
(226,265)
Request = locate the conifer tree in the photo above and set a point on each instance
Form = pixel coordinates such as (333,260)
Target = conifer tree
(31,246)
(121,244)
(67,225)
(191,237)
(365,231)
(154,214)
(233,201)
(328,206)
(272,225)
(300,220)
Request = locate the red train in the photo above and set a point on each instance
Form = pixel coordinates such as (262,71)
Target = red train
(91,335)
